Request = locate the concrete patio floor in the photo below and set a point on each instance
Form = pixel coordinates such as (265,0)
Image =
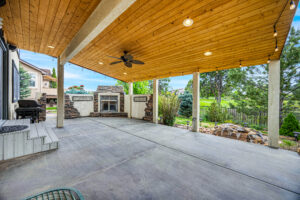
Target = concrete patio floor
(119,158)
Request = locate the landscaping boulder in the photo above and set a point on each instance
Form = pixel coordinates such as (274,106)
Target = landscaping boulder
(236,132)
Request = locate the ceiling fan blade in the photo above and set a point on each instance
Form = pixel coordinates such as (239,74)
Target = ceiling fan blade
(128,64)
(116,62)
(114,57)
(128,57)
(137,62)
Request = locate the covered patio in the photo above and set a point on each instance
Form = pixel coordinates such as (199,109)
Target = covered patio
(120,158)
(172,38)
(124,158)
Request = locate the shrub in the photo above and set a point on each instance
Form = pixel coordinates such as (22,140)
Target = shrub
(186,104)
(168,108)
(289,125)
(214,113)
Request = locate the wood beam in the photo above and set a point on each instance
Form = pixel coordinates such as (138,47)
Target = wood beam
(104,14)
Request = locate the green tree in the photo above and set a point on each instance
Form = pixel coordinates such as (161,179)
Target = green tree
(289,73)
(186,104)
(251,95)
(24,83)
(218,84)
(163,85)
(189,86)
(140,87)
(214,113)
(289,125)
(53,83)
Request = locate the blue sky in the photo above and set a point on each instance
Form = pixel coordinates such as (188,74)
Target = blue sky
(75,75)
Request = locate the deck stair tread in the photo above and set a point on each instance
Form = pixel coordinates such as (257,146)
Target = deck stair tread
(33,132)
(51,134)
(36,138)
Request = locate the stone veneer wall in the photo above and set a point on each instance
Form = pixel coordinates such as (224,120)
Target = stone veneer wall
(149,109)
(70,111)
(108,89)
(43,102)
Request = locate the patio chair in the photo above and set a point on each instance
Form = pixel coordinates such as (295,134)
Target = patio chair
(58,194)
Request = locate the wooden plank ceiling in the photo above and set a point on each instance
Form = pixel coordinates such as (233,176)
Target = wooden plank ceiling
(35,25)
(152,31)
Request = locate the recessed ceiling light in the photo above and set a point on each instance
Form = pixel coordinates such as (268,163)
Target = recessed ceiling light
(125,73)
(188,22)
(208,53)
(51,47)
(100,63)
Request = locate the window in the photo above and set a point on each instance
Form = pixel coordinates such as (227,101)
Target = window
(32,82)
(16,83)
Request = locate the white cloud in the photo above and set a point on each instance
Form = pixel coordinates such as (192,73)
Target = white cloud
(71,75)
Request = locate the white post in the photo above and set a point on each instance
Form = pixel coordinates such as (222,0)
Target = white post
(155,101)
(130,93)
(273,103)
(196,106)
(60,95)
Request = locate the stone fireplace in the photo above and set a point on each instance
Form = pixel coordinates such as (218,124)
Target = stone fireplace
(109,101)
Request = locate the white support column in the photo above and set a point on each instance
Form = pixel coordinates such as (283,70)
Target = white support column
(155,101)
(130,93)
(196,106)
(60,95)
(273,103)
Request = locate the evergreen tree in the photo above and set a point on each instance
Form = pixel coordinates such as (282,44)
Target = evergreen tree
(289,73)
(218,84)
(289,125)
(251,96)
(24,83)
(53,83)
(186,104)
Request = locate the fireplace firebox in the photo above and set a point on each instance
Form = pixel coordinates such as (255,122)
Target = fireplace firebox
(109,103)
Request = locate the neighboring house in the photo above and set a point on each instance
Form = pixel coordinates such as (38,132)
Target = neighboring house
(9,79)
(40,81)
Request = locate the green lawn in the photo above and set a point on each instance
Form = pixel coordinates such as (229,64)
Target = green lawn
(51,108)
(225,102)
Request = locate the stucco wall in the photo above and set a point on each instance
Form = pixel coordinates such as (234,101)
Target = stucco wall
(37,90)
(83,107)
(138,108)
(13,56)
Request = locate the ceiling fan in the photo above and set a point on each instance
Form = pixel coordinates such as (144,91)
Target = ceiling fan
(127,59)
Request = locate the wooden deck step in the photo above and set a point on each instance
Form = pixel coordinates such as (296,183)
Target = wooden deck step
(36,138)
